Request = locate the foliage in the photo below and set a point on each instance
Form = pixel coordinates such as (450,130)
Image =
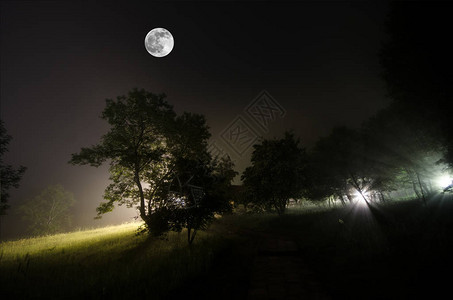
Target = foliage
(404,146)
(9,176)
(50,211)
(195,196)
(157,160)
(331,165)
(343,166)
(408,148)
(276,173)
(417,64)
(388,153)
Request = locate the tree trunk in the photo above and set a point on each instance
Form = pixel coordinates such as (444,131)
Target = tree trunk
(191,235)
(414,185)
(421,187)
(357,187)
(142,196)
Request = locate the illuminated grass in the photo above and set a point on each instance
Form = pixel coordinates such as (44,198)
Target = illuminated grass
(387,249)
(53,244)
(105,262)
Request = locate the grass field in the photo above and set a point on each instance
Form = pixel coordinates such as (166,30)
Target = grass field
(392,251)
(110,262)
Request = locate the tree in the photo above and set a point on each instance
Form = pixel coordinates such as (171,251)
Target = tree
(408,148)
(276,173)
(50,211)
(208,193)
(337,158)
(9,176)
(343,166)
(418,65)
(156,159)
(393,150)
(136,149)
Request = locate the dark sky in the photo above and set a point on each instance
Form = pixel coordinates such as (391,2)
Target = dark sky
(60,61)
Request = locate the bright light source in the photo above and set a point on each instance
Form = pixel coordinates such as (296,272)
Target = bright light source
(359,197)
(443,181)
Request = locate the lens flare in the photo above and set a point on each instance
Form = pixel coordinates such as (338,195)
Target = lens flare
(358,197)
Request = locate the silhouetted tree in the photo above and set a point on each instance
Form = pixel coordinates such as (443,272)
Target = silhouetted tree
(9,176)
(391,151)
(418,63)
(276,173)
(322,183)
(49,212)
(408,149)
(157,160)
(208,193)
(341,164)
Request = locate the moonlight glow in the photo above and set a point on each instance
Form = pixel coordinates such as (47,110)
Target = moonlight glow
(159,42)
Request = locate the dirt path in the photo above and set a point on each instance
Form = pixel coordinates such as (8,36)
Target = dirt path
(279,272)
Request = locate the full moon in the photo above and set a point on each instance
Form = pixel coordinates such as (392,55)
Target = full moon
(159,42)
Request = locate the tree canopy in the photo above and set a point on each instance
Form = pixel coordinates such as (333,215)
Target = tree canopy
(276,173)
(388,153)
(159,163)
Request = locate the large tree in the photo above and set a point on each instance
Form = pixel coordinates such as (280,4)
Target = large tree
(135,147)
(158,160)
(276,173)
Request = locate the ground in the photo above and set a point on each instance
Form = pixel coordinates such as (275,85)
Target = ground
(385,251)
(396,250)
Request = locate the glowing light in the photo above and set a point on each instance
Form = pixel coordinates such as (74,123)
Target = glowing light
(359,197)
(444,181)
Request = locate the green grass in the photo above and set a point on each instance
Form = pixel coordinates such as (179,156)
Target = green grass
(110,262)
(74,241)
(394,251)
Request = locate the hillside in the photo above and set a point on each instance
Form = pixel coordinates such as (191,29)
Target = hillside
(394,250)
(110,262)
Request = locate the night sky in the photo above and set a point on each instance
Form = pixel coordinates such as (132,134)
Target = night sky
(61,60)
